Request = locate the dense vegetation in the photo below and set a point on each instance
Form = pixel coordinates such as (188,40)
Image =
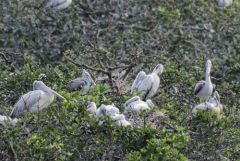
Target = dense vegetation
(114,40)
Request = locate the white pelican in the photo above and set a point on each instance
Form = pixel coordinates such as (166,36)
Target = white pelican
(204,88)
(213,104)
(224,3)
(92,108)
(36,100)
(58,4)
(84,82)
(120,120)
(135,104)
(6,121)
(108,110)
(147,85)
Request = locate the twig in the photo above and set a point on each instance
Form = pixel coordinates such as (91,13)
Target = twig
(13,151)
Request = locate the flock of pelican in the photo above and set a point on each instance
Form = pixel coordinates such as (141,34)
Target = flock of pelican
(144,87)
(63,4)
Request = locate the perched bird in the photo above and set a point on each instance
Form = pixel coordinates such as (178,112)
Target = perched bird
(6,121)
(34,101)
(120,120)
(135,104)
(204,88)
(92,108)
(224,3)
(84,82)
(213,104)
(147,85)
(107,110)
(58,4)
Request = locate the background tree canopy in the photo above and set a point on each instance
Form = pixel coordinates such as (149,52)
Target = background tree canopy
(114,40)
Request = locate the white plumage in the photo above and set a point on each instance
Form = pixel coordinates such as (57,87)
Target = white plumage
(107,110)
(120,120)
(91,108)
(6,121)
(147,85)
(204,88)
(36,100)
(213,105)
(58,4)
(224,3)
(135,105)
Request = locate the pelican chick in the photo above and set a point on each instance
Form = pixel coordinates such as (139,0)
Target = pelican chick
(147,85)
(135,105)
(58,4)
(84,82)
(121,120)
(204,88)
(34,101)
(213,104)
(6,121)
(107,110)
(224,3)
(92,108)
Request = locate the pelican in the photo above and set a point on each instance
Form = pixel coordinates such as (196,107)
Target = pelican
(147,85)
(120,120)
(6,121)
(224,3)
(213,104)
(85,82)
(135,104)
(34,101)
(204,88)
(108,110)
(92,108)
(58,4)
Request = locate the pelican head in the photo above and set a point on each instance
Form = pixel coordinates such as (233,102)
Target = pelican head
(158,69)
(87,76)
(42,77)
(118,117)
(39,85)
(208,66)
(92,108)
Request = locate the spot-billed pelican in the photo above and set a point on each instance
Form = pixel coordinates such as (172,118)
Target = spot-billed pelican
(6,121)
(204,88)
(34,101)
(147,85)
(84,82)
(224,3)
(135,104)
(108,110)
(92,108)
(213,104)
(58,4)
(120,120)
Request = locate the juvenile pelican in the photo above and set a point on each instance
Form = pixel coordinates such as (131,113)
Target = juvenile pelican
(204,88)
(6,121)
(91,108)
(108,110)
(135,104)
(84,82)
(58,4)
(147,85)
(213,104)
(36,100)
(224,3)
(120,120)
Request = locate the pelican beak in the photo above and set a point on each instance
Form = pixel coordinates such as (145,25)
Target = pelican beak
(58,95)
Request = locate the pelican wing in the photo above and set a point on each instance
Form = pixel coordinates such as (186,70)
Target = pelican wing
(55,3)
(26,101)
(199,86)
(146,86)
(140,77)
(75,84)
